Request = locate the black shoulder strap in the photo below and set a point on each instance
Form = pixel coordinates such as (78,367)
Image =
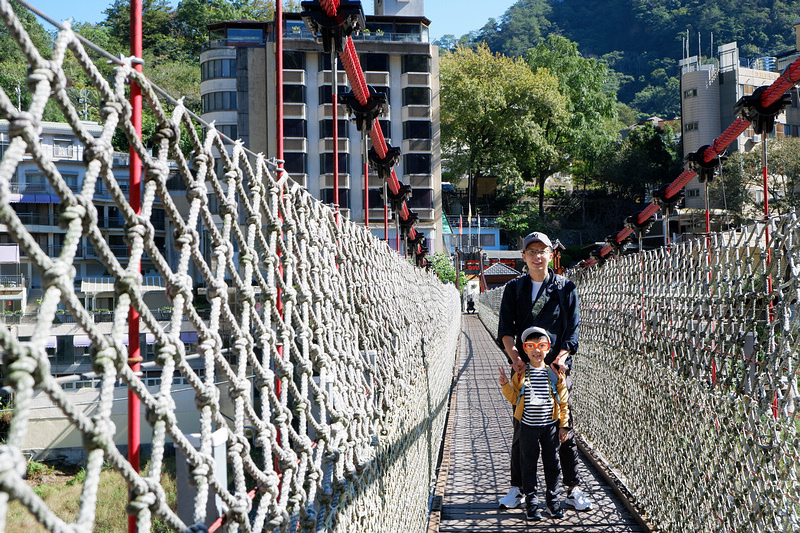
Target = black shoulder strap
(561,282)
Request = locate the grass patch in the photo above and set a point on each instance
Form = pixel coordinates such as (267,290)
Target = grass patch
(61,491)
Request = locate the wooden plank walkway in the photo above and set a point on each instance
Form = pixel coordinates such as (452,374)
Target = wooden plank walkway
(475,464)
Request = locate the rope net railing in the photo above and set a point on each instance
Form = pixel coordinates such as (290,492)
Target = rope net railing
(327,360)
(686,377)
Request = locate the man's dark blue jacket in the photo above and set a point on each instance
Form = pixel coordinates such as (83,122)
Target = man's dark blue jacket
(559,316)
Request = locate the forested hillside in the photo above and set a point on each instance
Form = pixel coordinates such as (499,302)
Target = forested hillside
(643,40)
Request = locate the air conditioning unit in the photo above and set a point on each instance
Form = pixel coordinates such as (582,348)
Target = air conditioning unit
(756,138)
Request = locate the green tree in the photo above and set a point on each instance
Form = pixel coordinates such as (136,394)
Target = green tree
(590,123)
(156,22)
(493,111)
(643,160)
(445,270)
(739,188)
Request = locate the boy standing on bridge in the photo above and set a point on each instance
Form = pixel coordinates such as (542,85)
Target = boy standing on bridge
(540,395)
(545,299)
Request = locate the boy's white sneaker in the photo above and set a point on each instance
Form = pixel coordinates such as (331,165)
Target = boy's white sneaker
(577,499)
(512,500)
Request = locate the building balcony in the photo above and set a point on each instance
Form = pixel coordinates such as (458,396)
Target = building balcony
(417,145)
(294,110)
(326,145)
(415,79)
(326,181)
(294,77)
(413,112)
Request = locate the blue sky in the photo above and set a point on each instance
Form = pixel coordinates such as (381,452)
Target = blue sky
(455,17)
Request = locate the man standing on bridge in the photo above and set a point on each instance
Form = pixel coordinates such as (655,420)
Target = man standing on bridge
(545,299)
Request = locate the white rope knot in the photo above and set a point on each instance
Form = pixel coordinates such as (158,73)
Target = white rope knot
(231,174)
(167,352)
(186,237)
(105,358)
(157,172)
(139,227)
(141,503)
(226,209)
(163,409)
(206,397)
(129,283)
(179,284)
(201,159)
(59,275)
(103,436)
(100,149)
(110,108)
(22,122)
(169,131)
(217,288)
(239,445)
(21,367)
(78,207)
(40,74)
(198,191)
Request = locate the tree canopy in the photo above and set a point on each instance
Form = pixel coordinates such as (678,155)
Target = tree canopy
(494,113)
(643,39)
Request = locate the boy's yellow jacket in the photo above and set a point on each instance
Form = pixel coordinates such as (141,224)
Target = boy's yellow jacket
(512,389)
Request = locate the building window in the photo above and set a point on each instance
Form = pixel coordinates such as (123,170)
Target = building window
(421,199)
(294,127)
(326,163)
(384,90)
(245,36)
(218,68)
(747,89)
(325,62)
(295,162)
(35,183)
(416,63)
(294,60)
(326,129)
(229,130)
(416,96)
(325,93)
(72,181)
(344,197)
(219,101)
(386,128)
(376,198)
(417,163)
(689,93)
(294,94)
(375,62)
(416,129)
(63,148)
(693,193)
(690,126)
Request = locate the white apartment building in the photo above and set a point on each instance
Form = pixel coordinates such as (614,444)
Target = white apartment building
(238,91)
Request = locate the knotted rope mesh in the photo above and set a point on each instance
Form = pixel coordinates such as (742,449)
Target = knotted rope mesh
(686,377)
(338,354)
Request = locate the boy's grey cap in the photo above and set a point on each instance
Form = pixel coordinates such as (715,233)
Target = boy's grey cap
(536,236)
(535,330)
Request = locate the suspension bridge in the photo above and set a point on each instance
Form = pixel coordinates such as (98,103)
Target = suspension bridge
(329,368)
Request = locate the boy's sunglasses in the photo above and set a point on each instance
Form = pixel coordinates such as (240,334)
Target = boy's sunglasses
(530,345)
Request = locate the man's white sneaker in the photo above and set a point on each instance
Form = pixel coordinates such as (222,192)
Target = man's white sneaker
(577,499)
(512,500)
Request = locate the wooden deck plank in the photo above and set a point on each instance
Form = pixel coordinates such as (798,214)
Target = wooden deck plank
(475,467)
